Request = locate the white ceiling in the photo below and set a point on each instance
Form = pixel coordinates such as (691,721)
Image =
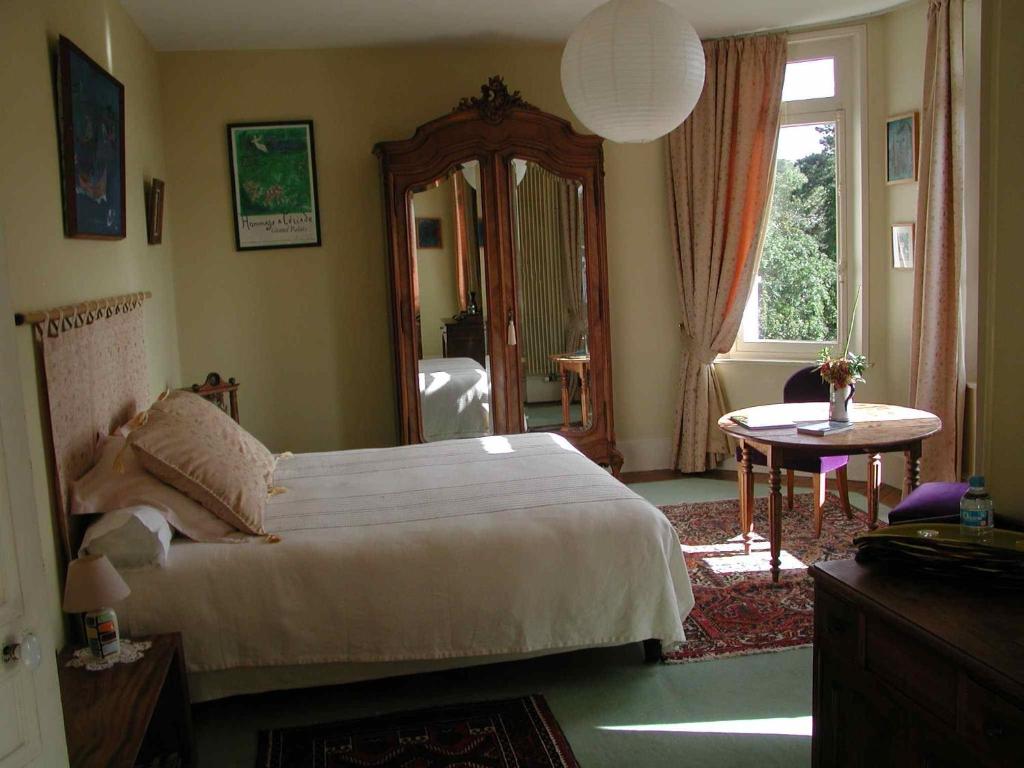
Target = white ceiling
(225,24)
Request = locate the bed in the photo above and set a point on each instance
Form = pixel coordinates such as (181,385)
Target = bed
(455,398)
(389,561)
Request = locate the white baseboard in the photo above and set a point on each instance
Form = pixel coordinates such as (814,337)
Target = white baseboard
(645,454)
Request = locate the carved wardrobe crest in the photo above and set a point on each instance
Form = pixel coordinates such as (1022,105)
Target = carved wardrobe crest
(543,292)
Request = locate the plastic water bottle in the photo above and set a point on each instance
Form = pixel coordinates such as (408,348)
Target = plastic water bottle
(977,510)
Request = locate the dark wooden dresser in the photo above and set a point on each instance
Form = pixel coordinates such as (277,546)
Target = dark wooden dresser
(915,671)
(464,337)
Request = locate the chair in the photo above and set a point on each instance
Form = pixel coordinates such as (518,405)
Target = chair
(804,386)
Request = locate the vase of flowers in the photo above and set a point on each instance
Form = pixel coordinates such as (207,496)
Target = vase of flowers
(842,373)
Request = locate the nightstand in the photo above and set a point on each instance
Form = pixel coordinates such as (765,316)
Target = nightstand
(130,715)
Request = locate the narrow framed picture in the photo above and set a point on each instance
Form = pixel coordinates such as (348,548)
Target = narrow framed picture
(155,212)
(901,148)
(428,233)
(273,184)
(90,117)
(903,245)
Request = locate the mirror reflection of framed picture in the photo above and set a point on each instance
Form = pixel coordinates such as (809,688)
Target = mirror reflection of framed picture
(903,245)
(901,149)
(428,233)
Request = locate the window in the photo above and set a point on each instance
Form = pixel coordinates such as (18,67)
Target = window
(798,300)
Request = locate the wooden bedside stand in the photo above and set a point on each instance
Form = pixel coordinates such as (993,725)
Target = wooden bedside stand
(131,715)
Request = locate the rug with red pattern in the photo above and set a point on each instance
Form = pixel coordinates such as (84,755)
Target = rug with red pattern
(738,609)
(510,733)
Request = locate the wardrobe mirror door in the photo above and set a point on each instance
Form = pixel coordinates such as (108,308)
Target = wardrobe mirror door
(451,308)
(551,285)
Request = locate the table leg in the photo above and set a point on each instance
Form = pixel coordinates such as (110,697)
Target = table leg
(874,483)
(746,493)
(565,399)
(775,513)
(912,468)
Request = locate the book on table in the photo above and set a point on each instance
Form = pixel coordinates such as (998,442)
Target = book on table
(821,428)
(765,421)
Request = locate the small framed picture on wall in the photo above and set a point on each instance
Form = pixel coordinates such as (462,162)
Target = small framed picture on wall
(428,233)
(155,212)
(903,245)
(901,149)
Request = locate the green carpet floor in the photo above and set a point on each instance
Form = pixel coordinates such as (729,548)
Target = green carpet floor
(616,711)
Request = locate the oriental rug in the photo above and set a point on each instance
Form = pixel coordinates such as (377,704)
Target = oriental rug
(511,733)
(738,610)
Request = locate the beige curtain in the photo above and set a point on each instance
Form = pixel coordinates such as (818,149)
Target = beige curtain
(936,356)
(467,249)
(721,162)
(572,264)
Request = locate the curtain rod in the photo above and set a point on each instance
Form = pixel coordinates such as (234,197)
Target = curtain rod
(82,308)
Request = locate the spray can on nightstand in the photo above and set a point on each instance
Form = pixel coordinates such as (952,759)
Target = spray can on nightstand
(977,510)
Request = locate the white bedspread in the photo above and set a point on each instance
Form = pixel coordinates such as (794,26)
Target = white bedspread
(455,395)
(500,545)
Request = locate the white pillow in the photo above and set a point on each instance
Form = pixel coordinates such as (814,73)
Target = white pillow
(136,537)
(118,481)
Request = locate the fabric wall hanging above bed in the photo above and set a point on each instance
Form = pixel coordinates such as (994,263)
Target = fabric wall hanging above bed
(94,361)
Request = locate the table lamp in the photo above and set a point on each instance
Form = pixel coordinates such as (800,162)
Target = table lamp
(92,586)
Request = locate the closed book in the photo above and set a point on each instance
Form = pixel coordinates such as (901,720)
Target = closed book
(821,428)
(766,421)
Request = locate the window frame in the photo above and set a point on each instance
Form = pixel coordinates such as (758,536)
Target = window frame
(847,108)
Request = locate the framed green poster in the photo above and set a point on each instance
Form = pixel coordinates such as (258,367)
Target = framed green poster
(273,185)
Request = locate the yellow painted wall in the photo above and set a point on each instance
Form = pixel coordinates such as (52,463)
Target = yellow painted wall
(46,269)
(1002,267)
(306,330)
(320,378)
(436,267)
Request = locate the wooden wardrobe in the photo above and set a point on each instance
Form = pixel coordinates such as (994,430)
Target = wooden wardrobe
(495,214)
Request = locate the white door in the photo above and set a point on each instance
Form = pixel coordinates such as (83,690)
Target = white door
(31,724)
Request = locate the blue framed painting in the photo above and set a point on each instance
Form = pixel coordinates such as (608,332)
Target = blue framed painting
(90,105)
(428,233)
(901,148)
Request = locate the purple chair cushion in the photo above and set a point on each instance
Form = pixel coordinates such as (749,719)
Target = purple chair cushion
(814,466)
(930,501)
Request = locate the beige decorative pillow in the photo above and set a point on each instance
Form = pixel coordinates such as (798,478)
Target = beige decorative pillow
(217,467)
(106,489)
(210,419)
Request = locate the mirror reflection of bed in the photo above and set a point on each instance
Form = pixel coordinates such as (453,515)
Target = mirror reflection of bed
(551,283)
(451,311)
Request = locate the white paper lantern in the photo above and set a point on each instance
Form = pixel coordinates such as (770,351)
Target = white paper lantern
(633,70)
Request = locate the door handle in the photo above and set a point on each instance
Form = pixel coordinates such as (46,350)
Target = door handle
(28,653)
(511,338)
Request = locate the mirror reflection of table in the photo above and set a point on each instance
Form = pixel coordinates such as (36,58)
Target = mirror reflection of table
(877,429)
(567,366)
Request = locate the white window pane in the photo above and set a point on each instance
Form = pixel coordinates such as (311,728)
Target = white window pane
(815,79)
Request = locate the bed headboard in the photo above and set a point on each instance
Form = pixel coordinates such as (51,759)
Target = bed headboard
(94,365)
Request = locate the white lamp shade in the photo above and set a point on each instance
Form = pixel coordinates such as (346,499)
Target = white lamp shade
(93,583)
(633,70)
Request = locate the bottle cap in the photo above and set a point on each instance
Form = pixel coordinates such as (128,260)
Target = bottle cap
(977,481)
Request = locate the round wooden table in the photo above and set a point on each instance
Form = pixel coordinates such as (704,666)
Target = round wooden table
(877,429)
